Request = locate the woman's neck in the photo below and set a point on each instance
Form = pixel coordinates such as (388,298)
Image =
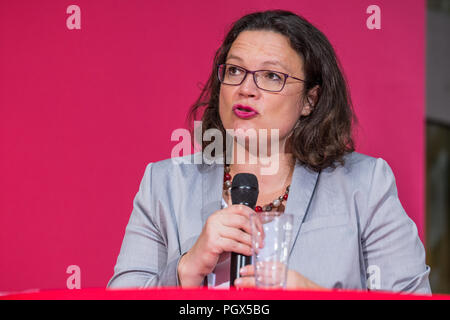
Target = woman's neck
(273,172)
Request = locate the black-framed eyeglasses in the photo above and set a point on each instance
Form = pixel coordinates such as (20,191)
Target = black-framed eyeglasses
(268,80)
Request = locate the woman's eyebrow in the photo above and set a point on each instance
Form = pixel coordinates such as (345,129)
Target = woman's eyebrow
(268,62)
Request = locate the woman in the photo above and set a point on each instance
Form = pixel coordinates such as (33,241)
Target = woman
(275,71)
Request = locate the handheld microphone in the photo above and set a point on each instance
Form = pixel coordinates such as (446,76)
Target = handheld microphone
(244,190)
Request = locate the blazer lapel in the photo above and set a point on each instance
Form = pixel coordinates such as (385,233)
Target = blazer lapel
(212,184)
(302,188)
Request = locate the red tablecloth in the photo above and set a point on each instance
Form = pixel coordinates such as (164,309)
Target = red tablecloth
(208,294)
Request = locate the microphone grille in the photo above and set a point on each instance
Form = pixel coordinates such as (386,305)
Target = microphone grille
(245,179)
(244,189)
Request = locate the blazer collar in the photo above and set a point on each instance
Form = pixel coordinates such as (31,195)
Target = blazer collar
(301,191)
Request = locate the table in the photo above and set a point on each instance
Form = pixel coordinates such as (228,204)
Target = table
(212,294)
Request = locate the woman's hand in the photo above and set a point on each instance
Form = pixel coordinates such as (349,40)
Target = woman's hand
(294,280)
(226,230)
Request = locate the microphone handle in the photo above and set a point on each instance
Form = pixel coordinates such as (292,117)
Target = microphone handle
(237,262)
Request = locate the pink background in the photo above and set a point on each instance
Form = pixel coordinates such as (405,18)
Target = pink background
(83,111)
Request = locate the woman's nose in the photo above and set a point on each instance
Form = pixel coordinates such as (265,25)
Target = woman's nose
(248,86)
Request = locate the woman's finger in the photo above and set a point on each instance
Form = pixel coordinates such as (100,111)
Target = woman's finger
(245,282)
(297,281)
(229,245)
(237,221)
(236,235)
(240,209)
(247,271)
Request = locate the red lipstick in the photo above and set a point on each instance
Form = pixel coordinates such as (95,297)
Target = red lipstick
(244,112)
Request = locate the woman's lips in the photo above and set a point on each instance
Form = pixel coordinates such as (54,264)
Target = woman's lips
(244,112)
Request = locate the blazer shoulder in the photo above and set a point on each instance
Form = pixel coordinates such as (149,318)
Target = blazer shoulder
(360,162)
(354,163)
(359,168)
(172,167)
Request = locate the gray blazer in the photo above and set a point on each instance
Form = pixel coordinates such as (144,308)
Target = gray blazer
(350,229)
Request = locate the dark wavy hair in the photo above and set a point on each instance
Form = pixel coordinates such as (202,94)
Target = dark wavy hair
(320,139)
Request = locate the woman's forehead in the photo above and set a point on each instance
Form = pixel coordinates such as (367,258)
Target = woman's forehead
(263,49)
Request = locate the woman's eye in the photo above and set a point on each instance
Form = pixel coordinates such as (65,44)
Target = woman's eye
(273,76)
(233,70)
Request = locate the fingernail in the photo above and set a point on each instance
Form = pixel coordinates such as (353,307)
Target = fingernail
(243,270)
(238,281)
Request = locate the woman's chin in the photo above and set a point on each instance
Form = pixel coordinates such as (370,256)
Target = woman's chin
(244,126)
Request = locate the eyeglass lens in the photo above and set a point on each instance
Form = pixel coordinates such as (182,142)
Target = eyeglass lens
(265,79)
